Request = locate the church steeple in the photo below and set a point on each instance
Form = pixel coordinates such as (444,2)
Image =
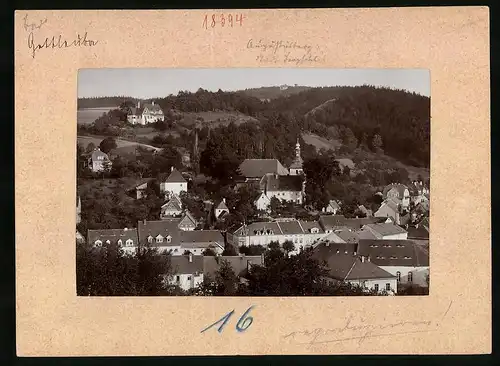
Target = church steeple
(296,167)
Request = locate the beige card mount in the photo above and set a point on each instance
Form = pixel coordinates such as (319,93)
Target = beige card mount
(50,48)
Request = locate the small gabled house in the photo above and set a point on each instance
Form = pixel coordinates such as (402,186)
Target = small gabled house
(138,190)
(187,271)
(98,161)
(171,208)
(389,208)
(398,191)
(262,202)
(221,208)
(174,184)
(333,207)
(188,222)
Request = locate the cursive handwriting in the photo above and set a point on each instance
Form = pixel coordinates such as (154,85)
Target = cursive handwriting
(30,27)
(58,42)
(288,52)
(360,332)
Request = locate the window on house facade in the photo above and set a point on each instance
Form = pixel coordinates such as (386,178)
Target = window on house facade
(398,276)
(159,239)
(169,239)
(120,242)
(388,286)
(376,287)
(129,242)
(178,278)
(410,277)
(189,278)
(98,243)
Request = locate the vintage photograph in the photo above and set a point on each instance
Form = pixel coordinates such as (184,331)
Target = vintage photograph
(253,182)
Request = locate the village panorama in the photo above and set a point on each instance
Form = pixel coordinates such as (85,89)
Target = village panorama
(285,190)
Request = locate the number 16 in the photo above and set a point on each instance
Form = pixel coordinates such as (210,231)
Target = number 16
(243,323)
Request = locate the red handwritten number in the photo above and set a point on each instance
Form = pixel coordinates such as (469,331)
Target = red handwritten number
(213,20)
(230,19)
(205,22)
(222,20)
(240,19)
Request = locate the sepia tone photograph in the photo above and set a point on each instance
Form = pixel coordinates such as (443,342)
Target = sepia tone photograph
(253,182)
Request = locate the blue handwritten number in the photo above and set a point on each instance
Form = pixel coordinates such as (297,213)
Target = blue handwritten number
(243,323)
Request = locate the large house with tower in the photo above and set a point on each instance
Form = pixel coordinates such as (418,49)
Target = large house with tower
(150,113)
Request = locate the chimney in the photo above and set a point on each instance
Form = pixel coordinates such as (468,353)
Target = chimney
(190,257)
(172,168)
(362,259)
(275,176)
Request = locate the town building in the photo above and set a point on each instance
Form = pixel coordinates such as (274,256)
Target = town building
(221,208)
(389,208)
(418,192)
(150,113)
(98,161)
(167,236)
(405,259)
(300,233)
(398,191)
(126,239)
(262,202)
(186,271)
(174,184)
(333,207)
(346,267)
(138,190)
(171,208)
(286,188)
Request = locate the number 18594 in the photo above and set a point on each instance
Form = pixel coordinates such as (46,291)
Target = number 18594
(222,20)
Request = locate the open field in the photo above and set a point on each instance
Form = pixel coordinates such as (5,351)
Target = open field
(320,142)
(96,140)
(89,115)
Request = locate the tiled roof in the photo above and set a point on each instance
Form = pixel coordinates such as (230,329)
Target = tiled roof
(181,265)
(160,227)
(330,222)
(171,205)
(348,236)
(418,233)
(386,229)
(334,204)
(308,225)
(366,234)
(325,250)
(283,183)
(222,206)
(155,108)
(394,252)
(347,266)
(201,237)
(290,227)
(113,235)
(187,218)
(238,263)
(265,228)
(256,168)
(175,177)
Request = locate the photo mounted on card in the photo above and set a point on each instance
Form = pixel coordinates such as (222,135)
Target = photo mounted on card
(257,183)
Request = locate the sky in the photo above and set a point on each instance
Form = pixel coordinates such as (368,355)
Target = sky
(153,83)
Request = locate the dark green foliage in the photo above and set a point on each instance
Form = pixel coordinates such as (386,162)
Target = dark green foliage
(106,272)
(107,144)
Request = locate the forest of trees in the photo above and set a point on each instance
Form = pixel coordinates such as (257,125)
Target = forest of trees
(381,119)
